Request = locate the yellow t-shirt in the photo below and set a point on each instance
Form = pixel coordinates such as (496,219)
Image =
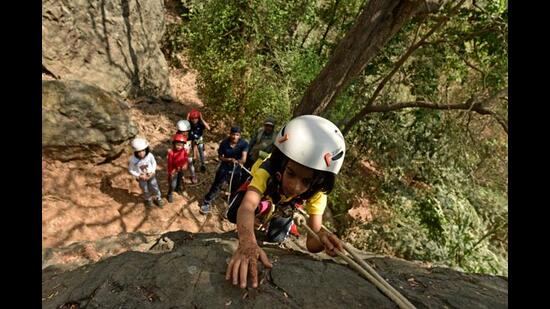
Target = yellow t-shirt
(315,205)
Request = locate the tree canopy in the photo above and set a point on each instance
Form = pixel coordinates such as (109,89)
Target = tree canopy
(422,104)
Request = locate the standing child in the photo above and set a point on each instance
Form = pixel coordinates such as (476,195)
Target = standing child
(183,128)
(198,124)
(309,152)
(177,163)
(142,165)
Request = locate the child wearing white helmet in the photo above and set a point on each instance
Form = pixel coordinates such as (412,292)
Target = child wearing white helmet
(300,172)
(143,165)
(184,127)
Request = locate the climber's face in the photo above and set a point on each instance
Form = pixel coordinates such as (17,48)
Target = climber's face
(184,133)
(141,154)
(178,146)
(268,128)
(235,137)
(296,179)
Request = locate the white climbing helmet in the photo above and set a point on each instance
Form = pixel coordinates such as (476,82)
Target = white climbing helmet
(139,144)
(184,125)
(314,142)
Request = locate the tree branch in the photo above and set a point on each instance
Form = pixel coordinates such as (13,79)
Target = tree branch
(329,25)
(468,105)
(464,36)
(398,65)
(408,53)
(499,94)
(467,62)
(491,232)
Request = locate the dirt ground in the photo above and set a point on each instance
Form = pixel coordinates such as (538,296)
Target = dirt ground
(83,201)
(86,202)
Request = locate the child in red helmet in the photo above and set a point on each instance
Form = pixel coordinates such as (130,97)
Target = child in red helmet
(177,163)
(198,124)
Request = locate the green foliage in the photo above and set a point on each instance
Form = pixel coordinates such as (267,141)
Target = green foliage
(249,65)
(172,44)
(441,193)
(438,210)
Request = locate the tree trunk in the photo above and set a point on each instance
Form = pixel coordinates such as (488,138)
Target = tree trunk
(379,22)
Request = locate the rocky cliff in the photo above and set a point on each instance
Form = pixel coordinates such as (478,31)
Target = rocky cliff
(185,270)
(112,44)
(83,122)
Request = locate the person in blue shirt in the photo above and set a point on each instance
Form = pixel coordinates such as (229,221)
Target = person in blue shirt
(232,153)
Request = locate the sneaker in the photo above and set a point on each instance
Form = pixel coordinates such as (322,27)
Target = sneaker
(149,203)
(203,168)
(170,197)
(159,202)
(194,179)
(205,209)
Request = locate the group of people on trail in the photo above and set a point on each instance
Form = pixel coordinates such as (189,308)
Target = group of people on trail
(186,140)
(269,179)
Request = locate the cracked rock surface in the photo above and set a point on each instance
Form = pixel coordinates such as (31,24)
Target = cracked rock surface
(190,273)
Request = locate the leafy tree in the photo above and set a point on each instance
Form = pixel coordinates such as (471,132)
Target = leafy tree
(423,99)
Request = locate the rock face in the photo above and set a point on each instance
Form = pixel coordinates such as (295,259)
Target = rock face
(83,122)
(112,44)
(188,271)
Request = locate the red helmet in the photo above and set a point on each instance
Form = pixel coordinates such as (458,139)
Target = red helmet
(179,138)
(194,114)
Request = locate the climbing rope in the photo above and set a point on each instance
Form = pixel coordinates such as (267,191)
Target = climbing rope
(244,168)
(359,265)
(231,181)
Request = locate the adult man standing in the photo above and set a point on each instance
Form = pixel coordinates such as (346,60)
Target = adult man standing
(232,154)
(261,143)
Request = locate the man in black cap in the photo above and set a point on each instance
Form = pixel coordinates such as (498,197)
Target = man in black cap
(261,144)
(232,154)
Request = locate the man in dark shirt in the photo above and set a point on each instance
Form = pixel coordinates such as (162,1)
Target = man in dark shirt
(232,154)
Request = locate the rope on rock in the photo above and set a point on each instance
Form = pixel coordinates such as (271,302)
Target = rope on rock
(359,265)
